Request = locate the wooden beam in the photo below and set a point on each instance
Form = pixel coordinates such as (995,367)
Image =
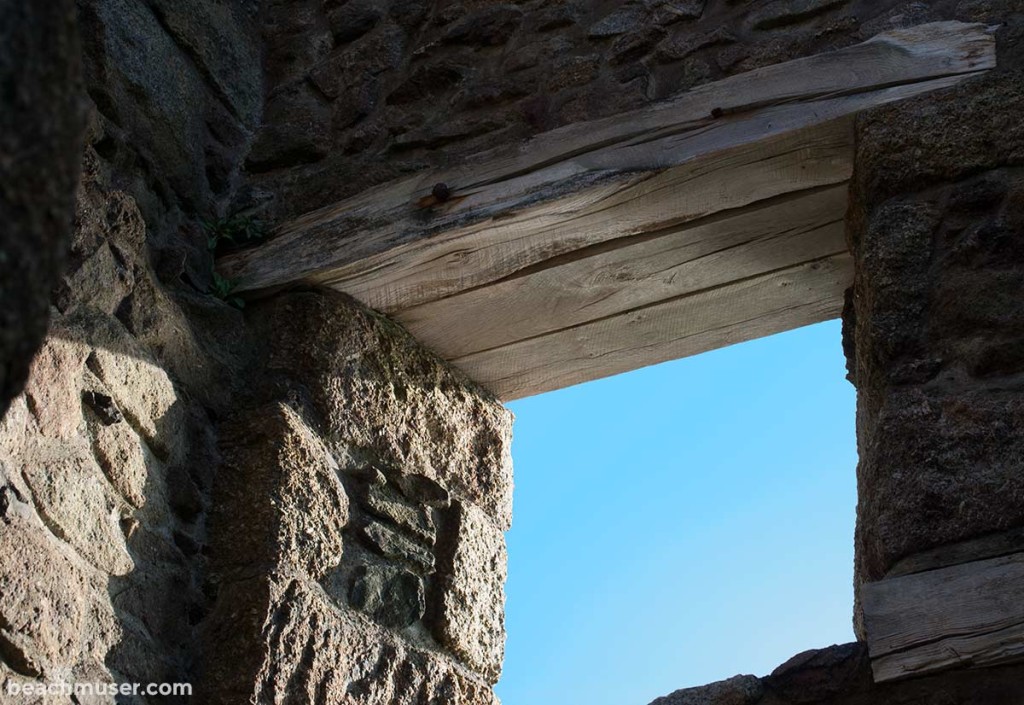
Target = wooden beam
(592,157)
(584,228)
(970,614)
(1003,543)
(763,305)
(767,228)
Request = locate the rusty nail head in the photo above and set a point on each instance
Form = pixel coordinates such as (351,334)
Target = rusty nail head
(441,192)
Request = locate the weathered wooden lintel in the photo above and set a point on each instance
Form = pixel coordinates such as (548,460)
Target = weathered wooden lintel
(965,608)
(610,245)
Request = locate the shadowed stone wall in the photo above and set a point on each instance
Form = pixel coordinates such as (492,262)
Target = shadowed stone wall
(107,458)
(935,325)
(365,91)
(357,527)
(841,675)
(41,125)
(296,502)
(172,459)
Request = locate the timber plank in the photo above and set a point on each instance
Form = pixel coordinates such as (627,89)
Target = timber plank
(971,613)
(707,253)
(903,56)
(490,251)
(763,305)
(337,245)
(982,649)
(991,546)
(618,243)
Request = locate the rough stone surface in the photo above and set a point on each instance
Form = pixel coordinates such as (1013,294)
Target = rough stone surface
(142,390)
(43,592)
(953,135)
(167,128)
(105,456)
(384,400)
(469,612)
(125,459)
(741,690)
(392,544)
(323,568)
(162,318)
(403,513)
(93,543)
(74,500)
(53,391)
(280,503)
(412,86)
(392,596)
(219,38)
(841,675)
(335,657)
(933,327)
(41,126)
(193,484)
(200,99)
(785,12)
(815,676)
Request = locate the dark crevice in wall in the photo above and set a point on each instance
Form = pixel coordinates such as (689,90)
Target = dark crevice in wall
(200,65)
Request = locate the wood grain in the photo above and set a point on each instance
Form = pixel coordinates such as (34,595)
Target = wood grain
(613,244)
(589,164)
(752,308)
(994,545)
(600,282)
(970,650)
(967,614)
(727,179)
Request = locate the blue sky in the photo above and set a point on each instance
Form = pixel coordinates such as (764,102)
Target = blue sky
(682,523)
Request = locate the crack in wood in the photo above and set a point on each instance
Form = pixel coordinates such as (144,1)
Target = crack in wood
(556,251)
(970,612)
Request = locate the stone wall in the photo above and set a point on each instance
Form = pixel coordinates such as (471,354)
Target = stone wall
(934,326)
(178,91)
(365,91)
(272,513)
(357,546)
(41,124)
(841,675)
(296,502)
(112,565)
(105,463)
(107,458)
